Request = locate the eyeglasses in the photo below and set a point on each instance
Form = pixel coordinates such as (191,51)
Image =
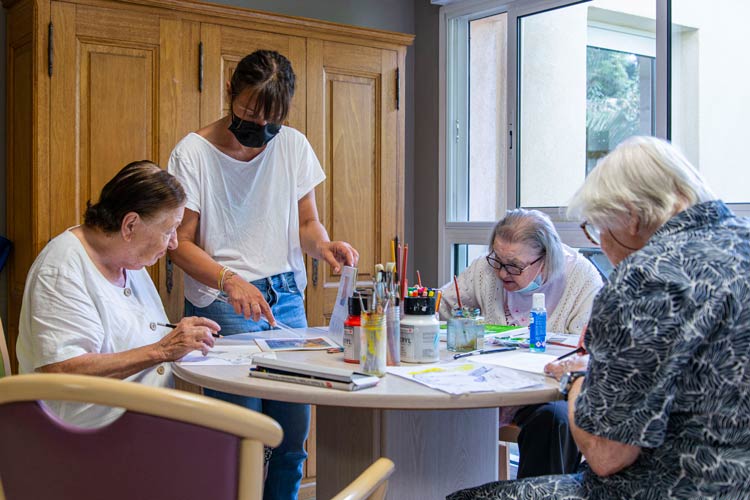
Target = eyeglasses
(594,236)
(592,233)
(511,269)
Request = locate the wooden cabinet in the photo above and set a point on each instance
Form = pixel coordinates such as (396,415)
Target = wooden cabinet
(95,84)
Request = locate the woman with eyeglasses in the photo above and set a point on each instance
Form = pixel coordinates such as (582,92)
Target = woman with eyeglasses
(660,409)
(525,257)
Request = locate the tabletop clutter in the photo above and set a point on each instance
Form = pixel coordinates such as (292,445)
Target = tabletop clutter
(393,323)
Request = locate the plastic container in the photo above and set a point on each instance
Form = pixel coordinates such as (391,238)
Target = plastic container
(420,331)
(538,324)
(352,329)
(372,355)
(393,332)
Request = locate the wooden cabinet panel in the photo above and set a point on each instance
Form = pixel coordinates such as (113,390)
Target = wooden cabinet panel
(354,128)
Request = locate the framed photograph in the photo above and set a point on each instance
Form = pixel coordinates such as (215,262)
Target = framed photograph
(296,344)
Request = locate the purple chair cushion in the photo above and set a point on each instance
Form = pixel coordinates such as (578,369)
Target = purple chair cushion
(136,457)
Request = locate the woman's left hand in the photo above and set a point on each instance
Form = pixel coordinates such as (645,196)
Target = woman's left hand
(336,253)
(573,363)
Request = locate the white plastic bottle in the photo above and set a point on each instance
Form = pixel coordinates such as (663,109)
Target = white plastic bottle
(538,324)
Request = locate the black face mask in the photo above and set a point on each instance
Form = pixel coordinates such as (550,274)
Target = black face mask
(252,135)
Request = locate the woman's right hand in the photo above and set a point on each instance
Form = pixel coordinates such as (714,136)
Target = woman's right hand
(190,334)
(247,300)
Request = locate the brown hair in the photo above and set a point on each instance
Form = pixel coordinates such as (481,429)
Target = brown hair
(141,187)
(270,77)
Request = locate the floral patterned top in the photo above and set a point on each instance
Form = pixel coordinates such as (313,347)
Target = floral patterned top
(669,339)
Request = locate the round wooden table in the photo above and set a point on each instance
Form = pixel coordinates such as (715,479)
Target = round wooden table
(439,442)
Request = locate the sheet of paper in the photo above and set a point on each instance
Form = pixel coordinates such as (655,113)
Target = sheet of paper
(461,377)
(347,283)
(563,339)
(224,355)
(518,360)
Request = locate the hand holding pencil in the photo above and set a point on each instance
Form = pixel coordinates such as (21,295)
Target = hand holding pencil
(575,360)
(190,334)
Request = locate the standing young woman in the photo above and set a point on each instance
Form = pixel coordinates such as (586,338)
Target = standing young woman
(249,217)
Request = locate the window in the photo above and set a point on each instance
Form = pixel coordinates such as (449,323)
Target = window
(476,136)
(585,83)
(619,97)
(536,92)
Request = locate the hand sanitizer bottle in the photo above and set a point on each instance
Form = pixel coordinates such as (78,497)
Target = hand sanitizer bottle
(538,324)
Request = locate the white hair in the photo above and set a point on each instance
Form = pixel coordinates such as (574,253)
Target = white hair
(535,230)
(643,176)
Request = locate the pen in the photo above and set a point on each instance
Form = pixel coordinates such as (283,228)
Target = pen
(482,351)
(575,351)
(172,325)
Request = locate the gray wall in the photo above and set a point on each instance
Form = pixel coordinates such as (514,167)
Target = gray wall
(405,16)
(426,134)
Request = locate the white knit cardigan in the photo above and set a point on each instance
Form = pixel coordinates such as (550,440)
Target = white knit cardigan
(480,287)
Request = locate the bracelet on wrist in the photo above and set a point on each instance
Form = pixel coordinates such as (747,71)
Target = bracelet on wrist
(225,275)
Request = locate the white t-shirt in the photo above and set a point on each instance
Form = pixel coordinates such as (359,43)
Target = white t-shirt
(249,214)
(69,309)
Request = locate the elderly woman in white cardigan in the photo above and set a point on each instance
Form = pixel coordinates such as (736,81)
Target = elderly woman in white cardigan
(525,257)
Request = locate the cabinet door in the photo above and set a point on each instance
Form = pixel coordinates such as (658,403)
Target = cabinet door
(119,92)
(225,46)
(356,129)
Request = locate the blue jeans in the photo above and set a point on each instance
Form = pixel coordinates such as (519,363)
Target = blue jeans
(285,299)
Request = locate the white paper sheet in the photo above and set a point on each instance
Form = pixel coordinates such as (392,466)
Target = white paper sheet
(518,360)
(225,355)
(461,377)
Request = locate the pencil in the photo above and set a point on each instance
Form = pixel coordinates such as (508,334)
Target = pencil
(437,300)
(575,351)
(404,268)
(458,295)
(419,279)
(172,325)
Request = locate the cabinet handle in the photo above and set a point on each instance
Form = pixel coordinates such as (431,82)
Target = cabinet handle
(315,272)
(200,66)
(50,51)
(510,140)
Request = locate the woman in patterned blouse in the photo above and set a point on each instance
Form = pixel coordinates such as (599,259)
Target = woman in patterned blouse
(526,256)
(663,410)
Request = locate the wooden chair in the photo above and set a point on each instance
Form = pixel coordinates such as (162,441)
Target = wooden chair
(4,356)
(168,443)
(372,484)
(508,434)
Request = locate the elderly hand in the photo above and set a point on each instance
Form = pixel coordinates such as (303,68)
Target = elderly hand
(190,334)
(247,300)
(336,253)
(573,363)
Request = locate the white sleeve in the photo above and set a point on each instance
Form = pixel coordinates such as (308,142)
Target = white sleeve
(466,287)
(309,171)
(588,282)
(183,167)
(64,320)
